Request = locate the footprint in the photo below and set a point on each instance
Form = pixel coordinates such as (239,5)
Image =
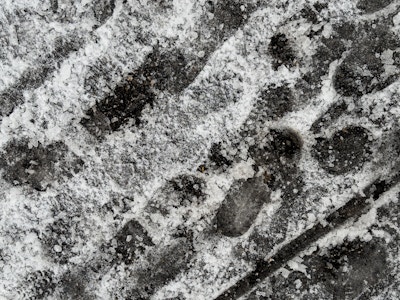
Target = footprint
(164,267)
(241,206)
(33,78)
(103,10)
(328,117)
(188,188)
(365,69)
(130,240)
(368,6)
(38,285)
(348,269)
(279,157)
(162,70)
(59,239)
(217,158)
(227,17)
(73,286)
(38,166)
(345,151)
(281,51)
(274,103)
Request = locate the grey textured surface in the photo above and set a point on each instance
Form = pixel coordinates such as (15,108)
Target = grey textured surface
(178,149)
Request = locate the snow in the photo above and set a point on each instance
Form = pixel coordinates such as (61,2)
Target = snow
(137,162)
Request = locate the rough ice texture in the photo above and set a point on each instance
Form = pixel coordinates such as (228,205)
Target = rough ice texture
(176,149)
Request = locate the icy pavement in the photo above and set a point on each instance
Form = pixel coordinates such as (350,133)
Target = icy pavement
(176,149)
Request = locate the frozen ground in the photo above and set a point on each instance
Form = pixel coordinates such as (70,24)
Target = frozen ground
(177,149)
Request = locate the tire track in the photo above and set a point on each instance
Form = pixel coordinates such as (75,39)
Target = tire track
(165,70)
(354,208)
(151,89)
(34,77)
(141,86)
